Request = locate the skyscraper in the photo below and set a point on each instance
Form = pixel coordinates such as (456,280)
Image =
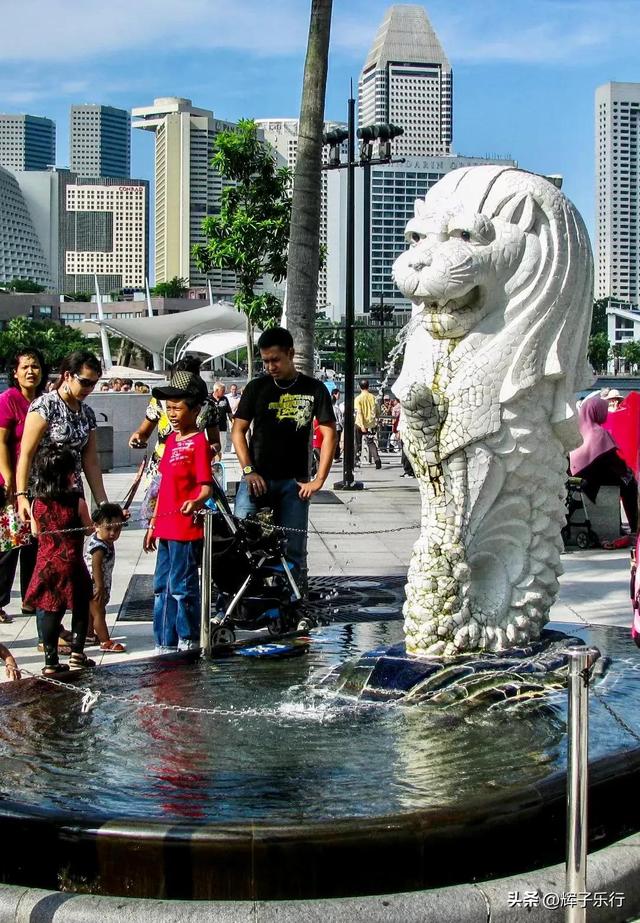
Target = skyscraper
(282,134)
(27,142)
(88,227)
(100,141)
(187,187)
(407,80)
(617,137)
(21,254)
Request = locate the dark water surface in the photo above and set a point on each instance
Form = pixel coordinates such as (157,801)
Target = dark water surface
(287,753)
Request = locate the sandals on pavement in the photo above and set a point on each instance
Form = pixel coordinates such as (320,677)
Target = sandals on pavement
(55,668)
(78,660)
(92,640)
(4,618)
(113,647)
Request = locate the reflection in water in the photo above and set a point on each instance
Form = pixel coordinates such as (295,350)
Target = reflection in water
(288,751)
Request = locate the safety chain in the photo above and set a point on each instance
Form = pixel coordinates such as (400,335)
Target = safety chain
(291,529)
(90,698)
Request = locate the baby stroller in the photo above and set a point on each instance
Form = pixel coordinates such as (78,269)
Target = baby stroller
(256,588)
(578,525)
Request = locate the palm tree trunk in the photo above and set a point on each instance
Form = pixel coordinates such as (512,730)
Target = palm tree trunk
(304,243)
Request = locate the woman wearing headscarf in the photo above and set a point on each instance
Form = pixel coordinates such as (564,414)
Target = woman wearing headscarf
(597,461)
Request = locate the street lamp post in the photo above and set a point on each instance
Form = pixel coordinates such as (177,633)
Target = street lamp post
(368,135)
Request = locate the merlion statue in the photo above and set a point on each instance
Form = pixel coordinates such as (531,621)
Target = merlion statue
(499,270)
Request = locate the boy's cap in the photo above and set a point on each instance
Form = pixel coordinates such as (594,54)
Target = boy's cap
(182,385)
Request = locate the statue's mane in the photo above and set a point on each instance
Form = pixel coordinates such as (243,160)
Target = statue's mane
(543,331)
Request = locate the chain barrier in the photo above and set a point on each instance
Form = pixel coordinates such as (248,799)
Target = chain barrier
(91,698)
(291,529)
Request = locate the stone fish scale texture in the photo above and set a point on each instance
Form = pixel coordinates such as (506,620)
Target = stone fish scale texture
(496,353)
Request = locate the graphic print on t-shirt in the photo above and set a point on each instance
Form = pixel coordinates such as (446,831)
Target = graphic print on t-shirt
(296,407)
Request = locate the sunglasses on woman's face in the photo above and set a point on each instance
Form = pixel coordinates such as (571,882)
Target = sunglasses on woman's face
(88,383)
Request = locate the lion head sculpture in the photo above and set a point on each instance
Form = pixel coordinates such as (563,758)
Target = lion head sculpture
(499,271)
(499,263)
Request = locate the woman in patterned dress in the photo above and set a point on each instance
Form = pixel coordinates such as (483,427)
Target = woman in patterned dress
(60,419)
(60,579)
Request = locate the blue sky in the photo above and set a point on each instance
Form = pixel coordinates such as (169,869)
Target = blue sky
(524,73)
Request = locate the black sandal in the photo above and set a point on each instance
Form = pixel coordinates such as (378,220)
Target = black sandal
(78,660)
(53,669)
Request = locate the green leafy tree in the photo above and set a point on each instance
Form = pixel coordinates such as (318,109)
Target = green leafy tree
(54,340)
(250,234)
(174,288)
(329,340)
(24,285)
(599,316)
(631,354)
(598,351)
(616,352)
(304,247)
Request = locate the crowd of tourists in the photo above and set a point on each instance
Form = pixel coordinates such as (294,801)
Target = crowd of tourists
(67,553)
(48,442)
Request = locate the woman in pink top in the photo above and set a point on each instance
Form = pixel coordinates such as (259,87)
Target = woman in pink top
(27,374)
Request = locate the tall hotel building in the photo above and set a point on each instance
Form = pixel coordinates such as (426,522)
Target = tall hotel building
(282,135)
(617,118)
(89,227)
(407,80)
(27,142)
(100,141)
(187,188)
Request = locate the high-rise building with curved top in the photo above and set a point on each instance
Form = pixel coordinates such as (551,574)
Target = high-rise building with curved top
(21,254)
(407,80)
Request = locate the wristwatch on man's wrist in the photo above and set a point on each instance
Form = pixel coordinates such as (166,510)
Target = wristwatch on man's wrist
(248,469)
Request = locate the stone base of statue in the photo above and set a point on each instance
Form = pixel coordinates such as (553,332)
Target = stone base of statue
(390,673)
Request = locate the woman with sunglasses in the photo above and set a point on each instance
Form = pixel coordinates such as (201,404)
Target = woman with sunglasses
(60,419)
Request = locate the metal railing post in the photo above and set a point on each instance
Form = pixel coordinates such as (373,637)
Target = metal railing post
(205,584)
(581,660)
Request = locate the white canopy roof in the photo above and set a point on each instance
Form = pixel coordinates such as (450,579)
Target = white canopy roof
(216,344)
(131,374)
(153,333)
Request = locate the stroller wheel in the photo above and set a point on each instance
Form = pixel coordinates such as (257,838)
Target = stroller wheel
(222,635)
(582,540)
(594,541)
(276,626)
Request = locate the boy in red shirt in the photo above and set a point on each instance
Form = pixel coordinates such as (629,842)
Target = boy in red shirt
(185,484)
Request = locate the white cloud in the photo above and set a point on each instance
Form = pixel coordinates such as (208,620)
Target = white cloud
(56,30)
(494,30)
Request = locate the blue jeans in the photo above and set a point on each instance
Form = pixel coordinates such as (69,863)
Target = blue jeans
(289,511)
(176,607)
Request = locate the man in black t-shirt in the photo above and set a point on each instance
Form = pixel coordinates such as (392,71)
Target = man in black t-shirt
(275,462)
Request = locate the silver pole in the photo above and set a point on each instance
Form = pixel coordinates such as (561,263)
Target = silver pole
(580,661)
(205,584)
